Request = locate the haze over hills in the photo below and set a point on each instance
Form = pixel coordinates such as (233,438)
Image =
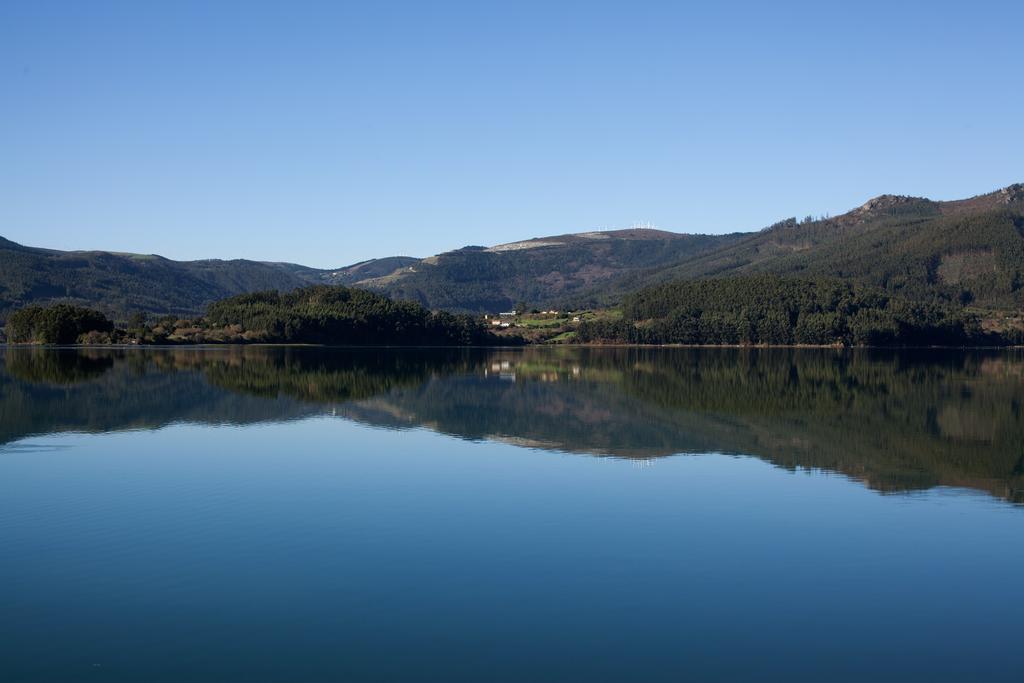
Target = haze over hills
(967,251)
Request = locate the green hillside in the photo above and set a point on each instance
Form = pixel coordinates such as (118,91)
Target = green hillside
(560,271)
(347,275)
(121,283)
(773,310)
(325,314)
(969,251)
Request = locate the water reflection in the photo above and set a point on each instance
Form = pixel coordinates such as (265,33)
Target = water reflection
(895,421)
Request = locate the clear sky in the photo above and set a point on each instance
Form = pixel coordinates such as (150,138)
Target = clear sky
(327,133)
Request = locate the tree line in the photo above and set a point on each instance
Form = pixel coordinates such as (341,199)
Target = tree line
(756,310)
(57,324)
(319,314)
(325,314)
(772,310)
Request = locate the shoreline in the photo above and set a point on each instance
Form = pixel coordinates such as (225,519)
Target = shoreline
(752,347)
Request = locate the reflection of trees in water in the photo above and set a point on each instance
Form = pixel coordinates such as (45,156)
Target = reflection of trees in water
(44,390)
(895,420)
(326,375)
(136,389)
(57,366)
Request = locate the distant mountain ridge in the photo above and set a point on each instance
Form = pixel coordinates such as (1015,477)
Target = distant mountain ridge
(556,271)
(473,279)
(122,283)
(969,250)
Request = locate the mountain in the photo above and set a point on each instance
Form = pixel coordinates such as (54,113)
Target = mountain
(558,271)
(967,251)
(357,272)
(970,251)
(541,271)
(120,283)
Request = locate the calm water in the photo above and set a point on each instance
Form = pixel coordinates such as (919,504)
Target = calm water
(255,514)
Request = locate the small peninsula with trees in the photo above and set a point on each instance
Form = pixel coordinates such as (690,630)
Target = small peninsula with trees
(313,315)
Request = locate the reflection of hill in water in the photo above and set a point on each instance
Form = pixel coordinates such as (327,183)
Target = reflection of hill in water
(97,390)
(892,422)
(94,390)
(895,421)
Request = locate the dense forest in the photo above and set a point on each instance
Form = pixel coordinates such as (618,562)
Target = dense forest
(760,310)
(58,324)
(339,315)
(968,252)
(321,314)
(773,310)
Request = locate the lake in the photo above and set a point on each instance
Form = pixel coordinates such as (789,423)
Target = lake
(539,514)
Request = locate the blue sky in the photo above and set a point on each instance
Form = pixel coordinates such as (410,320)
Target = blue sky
(327,133)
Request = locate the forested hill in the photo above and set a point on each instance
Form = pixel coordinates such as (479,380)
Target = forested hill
(319,314)
(560,271)
(347,275)
(969,251)
(336,315)
(772,310)
(120,284)
(552,271)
